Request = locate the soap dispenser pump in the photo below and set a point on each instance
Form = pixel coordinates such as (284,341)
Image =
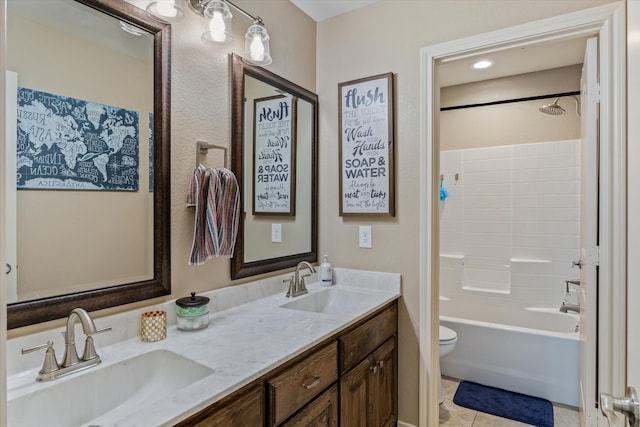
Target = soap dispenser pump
(326,272)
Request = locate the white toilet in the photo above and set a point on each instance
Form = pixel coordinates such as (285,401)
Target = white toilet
(448,338)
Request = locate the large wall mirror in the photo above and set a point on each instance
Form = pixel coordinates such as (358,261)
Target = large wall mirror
(274,136)
(91,155)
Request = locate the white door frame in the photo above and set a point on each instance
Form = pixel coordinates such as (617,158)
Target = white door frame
(608,23)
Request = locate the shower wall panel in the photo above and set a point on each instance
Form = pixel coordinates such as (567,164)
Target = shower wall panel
(511,223)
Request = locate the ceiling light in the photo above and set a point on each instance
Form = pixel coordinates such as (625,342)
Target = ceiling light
(166,10)
(132,29)
(485,63)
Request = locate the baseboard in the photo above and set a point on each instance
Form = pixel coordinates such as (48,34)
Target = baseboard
(401,424)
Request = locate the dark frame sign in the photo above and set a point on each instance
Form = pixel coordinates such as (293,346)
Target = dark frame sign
(274,155)
(367,146)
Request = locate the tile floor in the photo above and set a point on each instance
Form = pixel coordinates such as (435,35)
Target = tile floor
(452,415)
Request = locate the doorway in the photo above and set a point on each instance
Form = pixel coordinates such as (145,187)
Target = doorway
(606,24)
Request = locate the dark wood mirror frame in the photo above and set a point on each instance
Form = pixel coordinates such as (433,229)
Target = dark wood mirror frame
(240,268)
(45,309)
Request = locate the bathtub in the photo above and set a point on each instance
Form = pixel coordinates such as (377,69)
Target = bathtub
(542,362)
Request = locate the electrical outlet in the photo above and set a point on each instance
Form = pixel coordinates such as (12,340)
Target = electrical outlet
(365,237)
(276,233)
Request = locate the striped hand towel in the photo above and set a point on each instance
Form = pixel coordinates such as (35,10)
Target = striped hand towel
(215,194)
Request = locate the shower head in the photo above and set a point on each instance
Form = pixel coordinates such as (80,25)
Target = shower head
(553,109)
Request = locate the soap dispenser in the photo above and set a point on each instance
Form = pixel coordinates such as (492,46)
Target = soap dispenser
(326,272)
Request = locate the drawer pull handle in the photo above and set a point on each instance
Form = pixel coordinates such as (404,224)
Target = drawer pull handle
(377,365)
(313,384)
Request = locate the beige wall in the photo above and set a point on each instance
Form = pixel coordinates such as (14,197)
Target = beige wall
(387,36)
(513,123)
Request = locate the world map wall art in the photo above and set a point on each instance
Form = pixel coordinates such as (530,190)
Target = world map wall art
(72,144)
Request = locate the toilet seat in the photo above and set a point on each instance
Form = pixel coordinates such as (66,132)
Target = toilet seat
(447,335)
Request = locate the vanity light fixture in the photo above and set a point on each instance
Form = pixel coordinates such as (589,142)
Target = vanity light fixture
(256,44)
(217,29)
(485,63)
(166,10)
(217,22)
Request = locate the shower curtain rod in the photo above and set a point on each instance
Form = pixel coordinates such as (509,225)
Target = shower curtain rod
(509,101)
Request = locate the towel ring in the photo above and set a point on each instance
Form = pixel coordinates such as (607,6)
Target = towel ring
(202,148)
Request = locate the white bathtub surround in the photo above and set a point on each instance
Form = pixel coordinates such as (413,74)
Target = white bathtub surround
(521,359)
(249,334)
(510,226)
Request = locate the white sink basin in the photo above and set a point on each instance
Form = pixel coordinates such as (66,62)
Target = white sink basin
(82,397)
(330,301)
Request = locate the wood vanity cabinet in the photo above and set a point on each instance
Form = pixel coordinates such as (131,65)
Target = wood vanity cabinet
(348,380)
(245,409)
(369,390)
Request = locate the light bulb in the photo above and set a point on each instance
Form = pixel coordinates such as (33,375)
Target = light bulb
(167,8)
(217,27)
(257,48)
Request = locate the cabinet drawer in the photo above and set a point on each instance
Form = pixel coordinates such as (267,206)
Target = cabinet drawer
(357,344)
(295,386)
(245,410)
(321,412)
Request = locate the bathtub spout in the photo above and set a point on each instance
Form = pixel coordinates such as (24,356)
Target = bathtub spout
(569,307)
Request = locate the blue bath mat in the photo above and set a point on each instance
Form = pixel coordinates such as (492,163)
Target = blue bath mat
(505,404)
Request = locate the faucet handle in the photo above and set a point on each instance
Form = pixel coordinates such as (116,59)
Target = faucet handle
(50,362)
(290,290)
(99,331)
(89,347)
(302,287)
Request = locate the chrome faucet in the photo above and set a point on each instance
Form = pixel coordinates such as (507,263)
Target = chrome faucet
(297,286)
(70,357)
(51,369)
(565,308)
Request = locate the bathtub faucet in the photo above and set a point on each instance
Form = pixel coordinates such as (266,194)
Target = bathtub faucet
(569,307)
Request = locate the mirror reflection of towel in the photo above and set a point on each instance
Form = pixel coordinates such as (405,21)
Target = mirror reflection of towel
(215,195)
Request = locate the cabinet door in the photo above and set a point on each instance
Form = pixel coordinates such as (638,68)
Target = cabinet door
(321,412)
(246,410)
(383,388)
(353,396)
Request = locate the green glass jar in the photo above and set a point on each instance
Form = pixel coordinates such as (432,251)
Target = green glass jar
(192,312)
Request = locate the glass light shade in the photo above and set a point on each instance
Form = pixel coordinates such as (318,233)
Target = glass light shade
(256,45)
(166,10)
(217,22)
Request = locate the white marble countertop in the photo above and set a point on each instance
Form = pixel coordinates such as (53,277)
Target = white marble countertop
(244,341)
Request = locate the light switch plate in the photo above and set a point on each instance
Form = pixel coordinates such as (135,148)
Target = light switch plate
(365,237)
(276,233)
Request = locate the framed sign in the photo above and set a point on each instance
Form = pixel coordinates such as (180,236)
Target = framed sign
(274,154)
(366,146)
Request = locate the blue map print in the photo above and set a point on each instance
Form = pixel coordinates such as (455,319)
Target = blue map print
(68,143)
